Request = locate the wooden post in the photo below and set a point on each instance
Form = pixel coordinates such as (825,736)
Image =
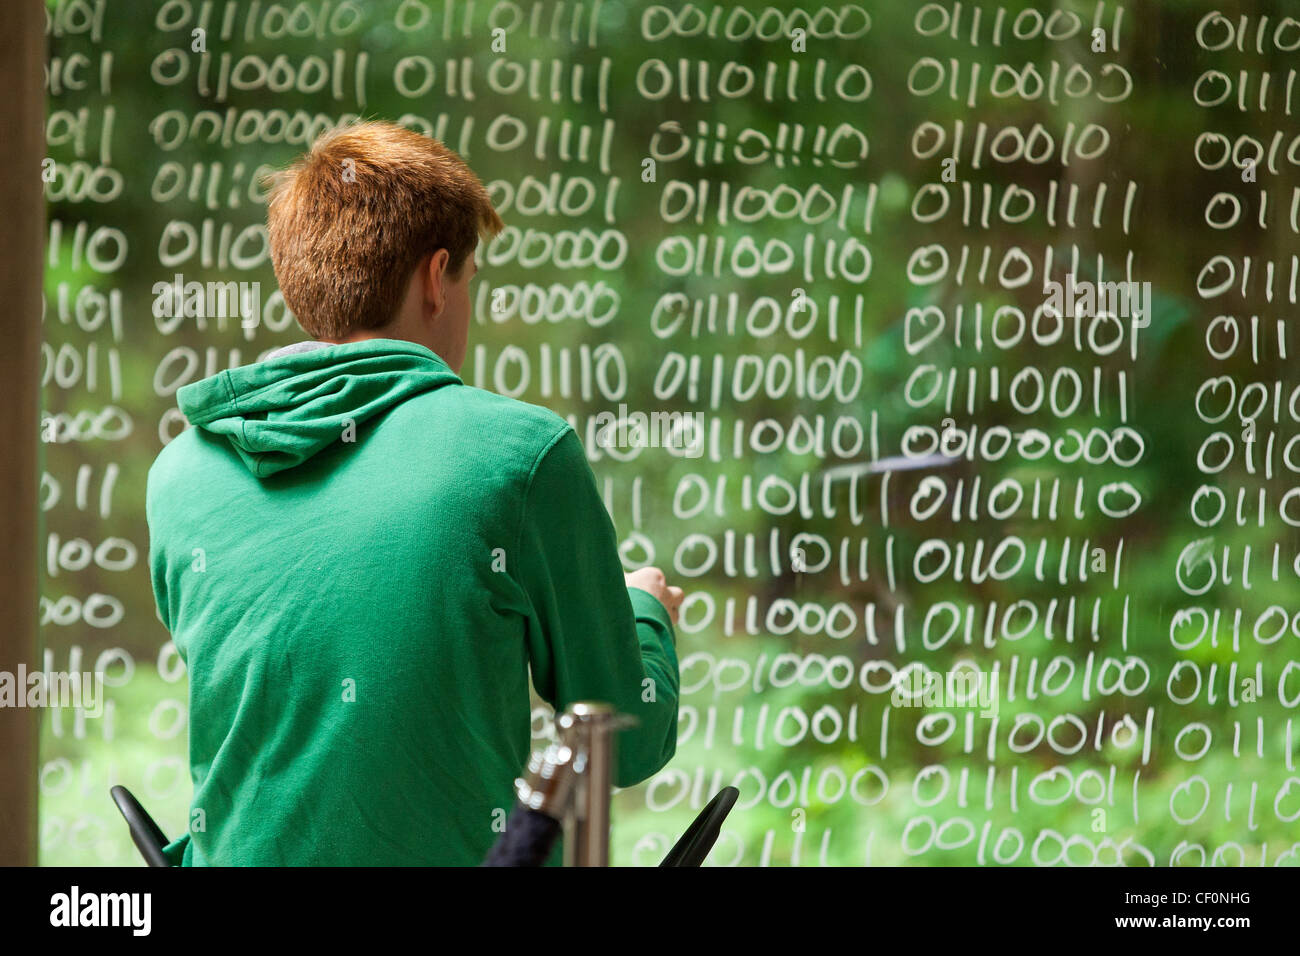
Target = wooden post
(22,243)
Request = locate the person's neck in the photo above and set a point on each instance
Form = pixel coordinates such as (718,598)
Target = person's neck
(401,331)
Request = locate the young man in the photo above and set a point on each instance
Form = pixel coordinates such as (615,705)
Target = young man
(360,558)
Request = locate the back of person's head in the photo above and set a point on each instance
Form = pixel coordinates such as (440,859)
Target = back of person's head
(351,219)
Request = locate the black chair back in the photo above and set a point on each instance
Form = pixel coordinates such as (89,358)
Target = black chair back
(145,834)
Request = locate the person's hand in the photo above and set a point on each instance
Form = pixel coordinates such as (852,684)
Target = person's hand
(653,581)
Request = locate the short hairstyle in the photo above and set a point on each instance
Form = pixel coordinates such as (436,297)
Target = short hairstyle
(350,220)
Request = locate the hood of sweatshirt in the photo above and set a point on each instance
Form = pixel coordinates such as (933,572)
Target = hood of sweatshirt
(279,412)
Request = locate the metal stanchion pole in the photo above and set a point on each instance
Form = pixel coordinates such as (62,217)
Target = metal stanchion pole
(569,783)
(588,729)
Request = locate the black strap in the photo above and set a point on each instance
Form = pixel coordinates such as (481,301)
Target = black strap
(529,837)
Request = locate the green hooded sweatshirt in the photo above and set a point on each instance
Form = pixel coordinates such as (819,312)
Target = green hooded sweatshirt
(360,558)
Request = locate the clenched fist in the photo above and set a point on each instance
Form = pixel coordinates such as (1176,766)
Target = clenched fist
(653,581)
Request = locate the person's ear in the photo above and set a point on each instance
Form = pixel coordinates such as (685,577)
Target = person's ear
(435,271)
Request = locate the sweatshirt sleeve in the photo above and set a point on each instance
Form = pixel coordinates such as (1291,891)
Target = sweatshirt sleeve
(590,637)
(157,564)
